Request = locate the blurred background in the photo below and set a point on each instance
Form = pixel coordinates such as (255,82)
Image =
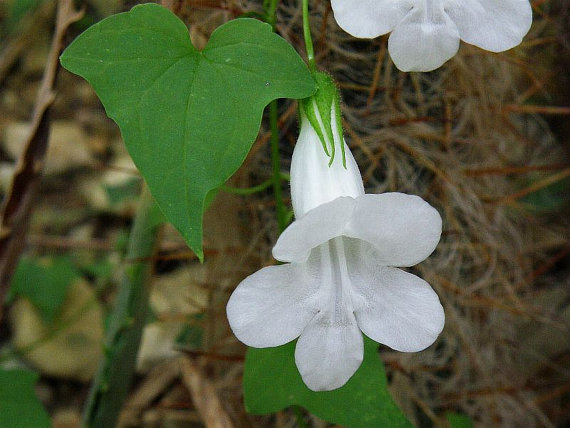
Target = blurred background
(485,139)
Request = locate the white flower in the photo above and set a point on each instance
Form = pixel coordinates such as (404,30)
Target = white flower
(426,33)
(339,280)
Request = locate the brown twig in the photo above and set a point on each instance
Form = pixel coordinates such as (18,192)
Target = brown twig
(17,206)
(376,79)
(513,169)
(533,109)
(545,182)
(204,395)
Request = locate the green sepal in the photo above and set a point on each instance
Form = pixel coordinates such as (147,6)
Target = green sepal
(339,128)
(318,110)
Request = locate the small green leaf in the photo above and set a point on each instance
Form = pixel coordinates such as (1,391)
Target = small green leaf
(44,282)
(19,9)
(100,269)
(188,117)
(272,382)
(19,406)
(550,198)
(121,192)
(458,420)
(191,335)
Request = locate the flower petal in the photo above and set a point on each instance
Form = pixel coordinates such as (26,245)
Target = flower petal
(325,222)
(328,353)
(369,18)
(315,182)
(272,306)
(424,39)
(403,229)
(494,25)
(396,308)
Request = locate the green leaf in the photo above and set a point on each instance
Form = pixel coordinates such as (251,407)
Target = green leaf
(458,420)
(553,197)
(19,406)
(272,382)
(121,192)
(19,9)
(191,336)
(44,282)
(188,117)
(101,268)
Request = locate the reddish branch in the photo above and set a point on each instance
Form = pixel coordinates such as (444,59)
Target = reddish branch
(18,204)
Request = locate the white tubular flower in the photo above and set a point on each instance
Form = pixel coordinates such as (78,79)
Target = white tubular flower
(426,33)
(314,180)
(339,280)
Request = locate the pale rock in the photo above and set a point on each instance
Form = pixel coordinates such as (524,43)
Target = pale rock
(68,146)
(179,292)
(157,344)
(66,418)
(120,173)
(174,297)
(6,174)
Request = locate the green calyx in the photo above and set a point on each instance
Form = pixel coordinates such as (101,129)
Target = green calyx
(319,108)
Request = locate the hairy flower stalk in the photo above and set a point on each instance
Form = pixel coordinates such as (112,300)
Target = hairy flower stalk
(339,280)
(426,33)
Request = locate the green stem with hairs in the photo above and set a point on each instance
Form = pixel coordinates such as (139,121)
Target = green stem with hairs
(248,190)
(253,189)
(270,7)
(299,416)
(281,210)
(283,217)
(307,36)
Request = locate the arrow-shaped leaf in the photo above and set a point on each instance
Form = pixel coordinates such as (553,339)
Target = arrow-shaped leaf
(188,117)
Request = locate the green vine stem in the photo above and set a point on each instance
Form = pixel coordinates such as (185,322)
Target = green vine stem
(280,207)
(248,190)
(270,7)
(298,411)
(307,37)
(113,379)
(283,215)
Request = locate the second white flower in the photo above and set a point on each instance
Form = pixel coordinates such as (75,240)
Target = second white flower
(426,33)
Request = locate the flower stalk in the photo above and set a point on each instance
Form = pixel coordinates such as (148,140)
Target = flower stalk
(308,38)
